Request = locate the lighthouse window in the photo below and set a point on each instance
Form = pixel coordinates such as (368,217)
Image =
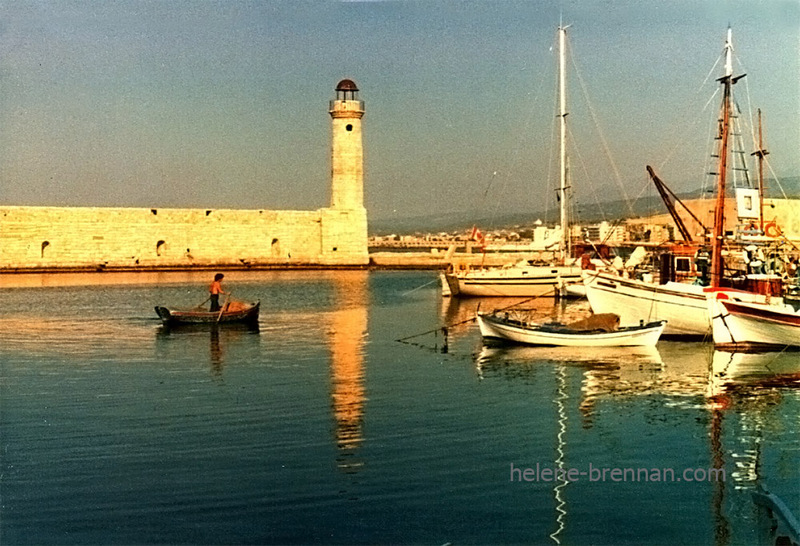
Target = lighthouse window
(349,127)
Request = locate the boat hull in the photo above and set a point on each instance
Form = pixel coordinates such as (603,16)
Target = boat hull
(743,325)
(495,328)
(683,306)
(512,282)
(248,313)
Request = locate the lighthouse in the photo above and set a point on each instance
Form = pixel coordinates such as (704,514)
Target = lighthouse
(344,224)
(347,154)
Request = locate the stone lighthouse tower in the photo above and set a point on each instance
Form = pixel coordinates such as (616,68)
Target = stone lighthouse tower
(344,224)
(347,156)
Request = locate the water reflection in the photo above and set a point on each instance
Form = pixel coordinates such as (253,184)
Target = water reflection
(562,395)
(346,338)
(37,335)
(215,352)
(751,386)
(753,372)
(742,393)
(606,370)
(220,336)
(746,390)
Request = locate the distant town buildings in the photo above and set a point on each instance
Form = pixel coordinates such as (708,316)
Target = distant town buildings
(781,219)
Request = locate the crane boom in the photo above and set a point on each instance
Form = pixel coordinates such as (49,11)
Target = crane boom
(666,196)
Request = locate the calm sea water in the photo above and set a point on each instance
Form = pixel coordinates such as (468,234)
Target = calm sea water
(320,427)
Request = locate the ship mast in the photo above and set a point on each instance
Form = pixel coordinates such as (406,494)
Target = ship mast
(727,81)
(562,115)
(760,153)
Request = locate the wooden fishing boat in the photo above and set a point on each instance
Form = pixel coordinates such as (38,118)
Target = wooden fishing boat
(743,325)
(682,304)
(598,331)
(234,311)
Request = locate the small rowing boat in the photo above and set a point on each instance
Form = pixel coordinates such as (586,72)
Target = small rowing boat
(600,331)
(234,311)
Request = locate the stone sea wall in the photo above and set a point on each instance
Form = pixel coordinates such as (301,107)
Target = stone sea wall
(45,238)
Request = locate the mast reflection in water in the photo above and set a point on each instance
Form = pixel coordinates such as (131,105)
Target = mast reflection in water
(742,393)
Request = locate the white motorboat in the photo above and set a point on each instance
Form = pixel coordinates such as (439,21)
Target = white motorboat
(520,280)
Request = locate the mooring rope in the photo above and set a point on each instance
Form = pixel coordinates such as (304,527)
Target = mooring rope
(448,326)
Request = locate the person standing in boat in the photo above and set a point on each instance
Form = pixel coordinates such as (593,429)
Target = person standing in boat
(215,289)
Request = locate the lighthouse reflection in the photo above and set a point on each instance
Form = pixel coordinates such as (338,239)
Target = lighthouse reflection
(347,336)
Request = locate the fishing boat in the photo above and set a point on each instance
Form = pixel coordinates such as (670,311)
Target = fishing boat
(232,312)
(682,304)
(597,331)
(744,325)
(526,278)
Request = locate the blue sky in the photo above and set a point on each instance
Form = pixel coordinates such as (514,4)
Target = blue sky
(224,104)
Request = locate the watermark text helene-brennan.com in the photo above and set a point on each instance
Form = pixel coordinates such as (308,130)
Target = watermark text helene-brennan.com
(601,474)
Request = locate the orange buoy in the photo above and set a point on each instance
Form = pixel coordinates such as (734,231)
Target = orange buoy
(772,230)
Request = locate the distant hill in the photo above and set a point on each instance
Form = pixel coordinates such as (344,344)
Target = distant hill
(585,213)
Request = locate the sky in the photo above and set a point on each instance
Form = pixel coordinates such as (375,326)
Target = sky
(225,104)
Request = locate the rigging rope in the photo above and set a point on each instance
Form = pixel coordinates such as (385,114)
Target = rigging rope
(459,323)
(590,180)
(604,142)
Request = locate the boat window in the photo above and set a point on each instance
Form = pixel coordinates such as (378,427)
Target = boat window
(160,247)
(683,264)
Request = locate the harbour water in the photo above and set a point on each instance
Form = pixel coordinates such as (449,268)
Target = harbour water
(319,426)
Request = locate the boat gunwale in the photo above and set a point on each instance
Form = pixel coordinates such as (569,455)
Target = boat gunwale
(188,316)
(594,333)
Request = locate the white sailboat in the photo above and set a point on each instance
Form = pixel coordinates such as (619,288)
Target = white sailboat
(525,278)
(683,305)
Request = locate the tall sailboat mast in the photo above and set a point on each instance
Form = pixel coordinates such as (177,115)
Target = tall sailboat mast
(727,81)
(760,153)
(562,115)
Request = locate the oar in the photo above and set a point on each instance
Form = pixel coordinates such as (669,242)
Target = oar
(222,309)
